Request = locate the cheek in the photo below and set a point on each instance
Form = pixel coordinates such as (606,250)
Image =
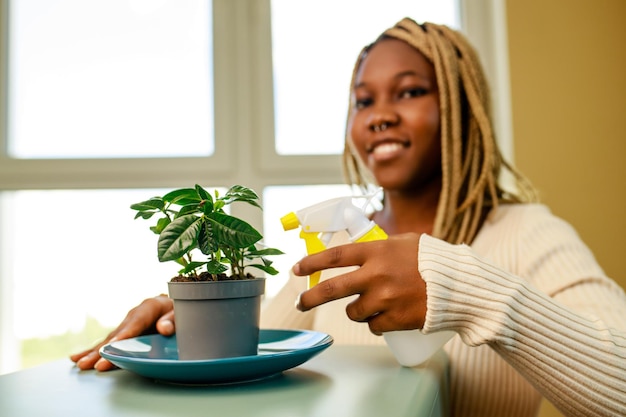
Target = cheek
(352,127)
(434,117)
(356,131)
(426,121)
(434,120)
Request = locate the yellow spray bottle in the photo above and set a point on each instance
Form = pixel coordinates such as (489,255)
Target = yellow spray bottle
(318,224)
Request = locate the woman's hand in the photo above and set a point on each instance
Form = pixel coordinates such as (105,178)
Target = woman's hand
(152,314)
(392,294)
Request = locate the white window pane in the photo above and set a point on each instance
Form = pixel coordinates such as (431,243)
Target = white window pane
(279,201)
(68,256)
(314,46)
(110,78)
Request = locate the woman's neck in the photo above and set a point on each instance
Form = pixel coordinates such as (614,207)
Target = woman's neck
(408,212)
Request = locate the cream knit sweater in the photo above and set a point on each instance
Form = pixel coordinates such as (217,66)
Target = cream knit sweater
(535,316)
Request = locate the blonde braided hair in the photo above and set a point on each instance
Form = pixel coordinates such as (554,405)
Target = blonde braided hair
(471,160)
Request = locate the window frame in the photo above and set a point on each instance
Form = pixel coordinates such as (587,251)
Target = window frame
(59,173)
(246,114)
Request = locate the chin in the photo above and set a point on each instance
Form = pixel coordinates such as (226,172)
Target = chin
(392,184)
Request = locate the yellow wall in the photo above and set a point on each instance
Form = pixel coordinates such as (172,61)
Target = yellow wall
(568,85)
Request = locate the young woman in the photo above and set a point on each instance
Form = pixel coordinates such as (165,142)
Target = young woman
(535,315)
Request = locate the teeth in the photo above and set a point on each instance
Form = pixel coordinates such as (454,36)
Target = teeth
(386,148)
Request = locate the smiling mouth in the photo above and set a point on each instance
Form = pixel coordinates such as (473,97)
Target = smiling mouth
(387,147)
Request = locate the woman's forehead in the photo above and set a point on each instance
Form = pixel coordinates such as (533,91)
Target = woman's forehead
(389,55)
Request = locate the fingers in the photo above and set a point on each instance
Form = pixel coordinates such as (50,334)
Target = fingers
(165,325)
(380,324)
(156,312)
(77,356)
(88,358)
(140,320)
(104,365)
(374,312)
(331,289)
(360,311)
(338,256)
(391,292)
(381,319)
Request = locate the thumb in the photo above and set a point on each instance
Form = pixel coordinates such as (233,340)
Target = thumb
(165,324)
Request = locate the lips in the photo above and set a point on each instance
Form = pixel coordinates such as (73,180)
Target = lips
(387,148)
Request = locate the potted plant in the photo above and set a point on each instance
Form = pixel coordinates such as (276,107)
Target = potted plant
(216,299)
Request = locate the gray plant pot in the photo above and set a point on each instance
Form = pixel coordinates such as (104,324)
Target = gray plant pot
(217,319)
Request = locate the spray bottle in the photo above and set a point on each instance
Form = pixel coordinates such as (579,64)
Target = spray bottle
(318,223)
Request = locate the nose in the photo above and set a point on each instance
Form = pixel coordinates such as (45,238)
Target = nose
(382,118)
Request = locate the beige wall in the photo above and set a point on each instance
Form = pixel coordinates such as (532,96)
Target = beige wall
(568,85)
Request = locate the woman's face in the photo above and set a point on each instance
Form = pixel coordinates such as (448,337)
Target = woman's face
(395,121)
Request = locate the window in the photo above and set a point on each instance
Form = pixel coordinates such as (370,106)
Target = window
(67,237)
(112,79)
(311,78)
(74,255)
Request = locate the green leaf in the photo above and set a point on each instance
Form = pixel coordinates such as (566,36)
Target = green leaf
(161,224)
(264,252)
(188,209)
(215,267)
(206,242)
(191,266)
(178,237)
(203,194)
(243,194)
(182,196)
(265,268)
(206,205)
(218,207)
(145,214)
(231,231)
(155,203)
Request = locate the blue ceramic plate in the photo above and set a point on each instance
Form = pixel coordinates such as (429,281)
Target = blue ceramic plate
(155,356)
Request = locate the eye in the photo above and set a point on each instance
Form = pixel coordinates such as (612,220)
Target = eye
(361,103)
(413,92)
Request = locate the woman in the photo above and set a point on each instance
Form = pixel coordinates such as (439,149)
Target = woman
(534,313)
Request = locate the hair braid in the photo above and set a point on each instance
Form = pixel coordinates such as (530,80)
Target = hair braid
(471,161)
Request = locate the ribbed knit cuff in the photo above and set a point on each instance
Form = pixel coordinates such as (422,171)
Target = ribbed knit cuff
(465,294)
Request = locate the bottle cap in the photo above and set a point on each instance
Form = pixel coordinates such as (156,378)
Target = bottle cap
(290,221)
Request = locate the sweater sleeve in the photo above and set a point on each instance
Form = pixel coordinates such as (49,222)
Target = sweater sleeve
(571,349)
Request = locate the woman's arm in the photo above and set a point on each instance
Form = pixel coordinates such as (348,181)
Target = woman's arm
(569,346)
